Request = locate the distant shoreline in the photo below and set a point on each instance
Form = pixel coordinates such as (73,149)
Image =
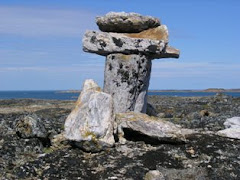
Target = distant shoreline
(215,90)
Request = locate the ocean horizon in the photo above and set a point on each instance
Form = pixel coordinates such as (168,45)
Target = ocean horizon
(64,95)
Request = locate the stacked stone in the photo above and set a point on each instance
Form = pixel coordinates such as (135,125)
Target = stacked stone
(129,41)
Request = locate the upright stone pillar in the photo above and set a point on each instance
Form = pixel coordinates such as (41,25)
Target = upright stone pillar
(127,78)
(129,41)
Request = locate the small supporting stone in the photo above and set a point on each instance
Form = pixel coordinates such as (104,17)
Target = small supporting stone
(127,78)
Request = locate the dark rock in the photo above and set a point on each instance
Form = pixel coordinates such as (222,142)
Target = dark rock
(196,112)
(204,155)
(134,159)
(151,111)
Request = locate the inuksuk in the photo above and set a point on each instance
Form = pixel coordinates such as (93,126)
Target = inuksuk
(130,42)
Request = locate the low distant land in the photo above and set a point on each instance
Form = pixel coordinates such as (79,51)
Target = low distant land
(216,90)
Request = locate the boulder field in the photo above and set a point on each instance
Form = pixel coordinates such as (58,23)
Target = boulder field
(44,153)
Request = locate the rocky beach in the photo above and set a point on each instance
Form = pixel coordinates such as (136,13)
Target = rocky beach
(45,155)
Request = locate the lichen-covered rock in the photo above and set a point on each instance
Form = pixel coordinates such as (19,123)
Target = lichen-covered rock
(90,125)
(106,43)
(30,126)
(149,129)
(122,22)
(157,33)
(126,78)
(59,141)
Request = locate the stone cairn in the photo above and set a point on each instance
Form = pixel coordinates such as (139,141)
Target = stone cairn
(130,42)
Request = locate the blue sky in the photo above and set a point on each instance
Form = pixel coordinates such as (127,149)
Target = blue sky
(40,43)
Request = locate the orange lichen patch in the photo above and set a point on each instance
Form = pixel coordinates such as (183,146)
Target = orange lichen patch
(158,33)
(131,116)
(125,57)
(98,89)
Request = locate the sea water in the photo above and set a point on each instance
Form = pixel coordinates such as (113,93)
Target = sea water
(58,95)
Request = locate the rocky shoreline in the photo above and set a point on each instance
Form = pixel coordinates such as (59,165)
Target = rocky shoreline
(116,132)
(204,156)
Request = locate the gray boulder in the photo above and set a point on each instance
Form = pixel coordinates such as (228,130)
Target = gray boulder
(150,129)
(232,130)
(154,175)
(126,78)
(30,126)
(233,122)
(90,125)
(122,22)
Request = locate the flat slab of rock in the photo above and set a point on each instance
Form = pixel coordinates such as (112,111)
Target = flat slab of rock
(151,129)
(108,43)
(232,128)
(122,22)
(168,52)
(126,78)
(157,33)
(233,133)
(90,125)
